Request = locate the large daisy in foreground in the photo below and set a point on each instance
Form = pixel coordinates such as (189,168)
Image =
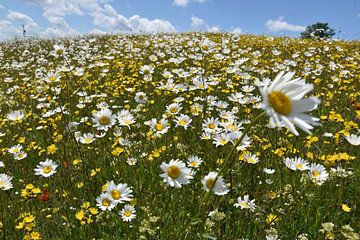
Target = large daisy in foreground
(284,102)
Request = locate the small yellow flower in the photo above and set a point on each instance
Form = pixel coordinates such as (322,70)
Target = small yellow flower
(29,219)
(51,149)
(345,208)
(93,211)
(80,215)
(271,218)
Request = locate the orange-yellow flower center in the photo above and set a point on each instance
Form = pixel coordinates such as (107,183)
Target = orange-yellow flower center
(105,202)
(211,125)
(47,169)
(280,102)
(299,166)
(173,172)
(210,182)
(127,213)
(115,194)
(173,110)
(159,126)
(104,120)
(316,174)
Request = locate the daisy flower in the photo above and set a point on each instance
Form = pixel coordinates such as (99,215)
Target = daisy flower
(128,213)
(284,102)
(59,50)
(221,139)
(318,173)
(5,182)
(175,173)
(215,183)
(245,202)
(103,119)
(46,168)
(15,115)
(87,138)
(194,162)
(353,139)
(251,158)
(159,127)
(125,118)
(140,97)
(119,193)
(15,149)
(297,164)
(20,155)
(173,108)
(183,120)
(211,125)
(105,202)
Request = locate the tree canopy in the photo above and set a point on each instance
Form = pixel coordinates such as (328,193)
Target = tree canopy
(318,31)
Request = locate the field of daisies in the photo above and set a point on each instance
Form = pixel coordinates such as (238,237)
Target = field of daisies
(180,136)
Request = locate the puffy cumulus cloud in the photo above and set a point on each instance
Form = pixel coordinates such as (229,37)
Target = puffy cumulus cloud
(21,17)
(144,25)
(184,3)
(198,24)
(11,26)
(236,30)
(281,25)
(181,3)
(7,29)
(104,17)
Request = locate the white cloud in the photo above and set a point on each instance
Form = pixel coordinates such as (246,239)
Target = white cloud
(104,17)
(22,18)
(236,30)
(196,22)
(184,3)
(181,3)
(281,25)
(2,7)
(12,25)
(144,25)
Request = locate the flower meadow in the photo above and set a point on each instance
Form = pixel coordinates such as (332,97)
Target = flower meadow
(180,136)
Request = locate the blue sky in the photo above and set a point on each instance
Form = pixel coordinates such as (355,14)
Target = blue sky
(277,17)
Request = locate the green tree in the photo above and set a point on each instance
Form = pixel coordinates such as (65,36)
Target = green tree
(318,31)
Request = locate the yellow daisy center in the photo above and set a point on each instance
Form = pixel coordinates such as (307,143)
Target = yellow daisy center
(210,182)
(105,202)
(115,194)
(88,140)
(211,125)
(299,166)
(251,160)
(280,102)
(194,164)
(47,169)
(52,78)
(182,122)
(59,51)
(316,174)
(173,172)
(127,213)
(243,204)
(173,110)
(2,184)
(104,120)
(159,126)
